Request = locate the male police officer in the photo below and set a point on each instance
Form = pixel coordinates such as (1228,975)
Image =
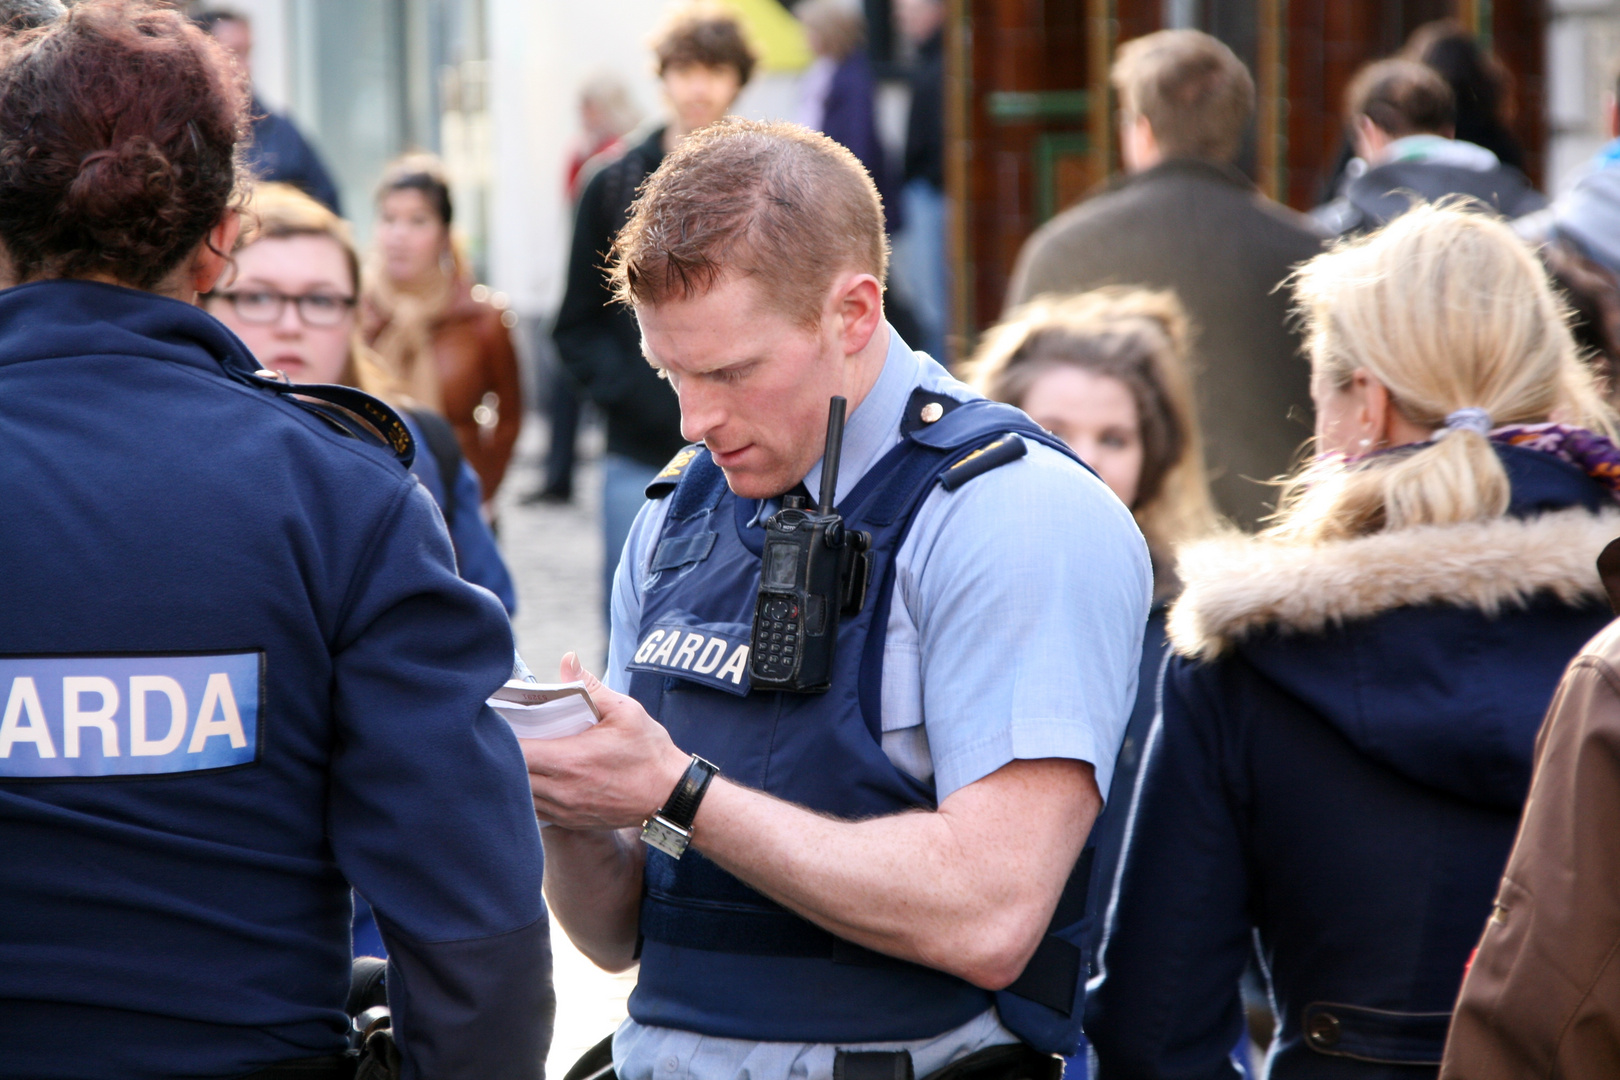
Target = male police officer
(872,863)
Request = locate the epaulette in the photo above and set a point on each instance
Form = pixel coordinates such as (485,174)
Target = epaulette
(991,455)
(670,475)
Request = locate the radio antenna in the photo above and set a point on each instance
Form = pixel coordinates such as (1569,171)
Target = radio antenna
(830,456)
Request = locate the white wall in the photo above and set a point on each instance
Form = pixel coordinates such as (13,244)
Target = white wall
(1583,57)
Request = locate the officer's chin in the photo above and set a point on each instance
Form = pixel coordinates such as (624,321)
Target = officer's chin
(749,484)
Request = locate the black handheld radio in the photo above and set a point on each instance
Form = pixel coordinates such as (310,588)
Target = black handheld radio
(812,571)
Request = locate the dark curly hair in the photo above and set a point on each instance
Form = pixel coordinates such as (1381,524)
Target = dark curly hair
(119,133)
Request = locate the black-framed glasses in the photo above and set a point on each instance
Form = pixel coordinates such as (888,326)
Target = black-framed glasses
(263,306)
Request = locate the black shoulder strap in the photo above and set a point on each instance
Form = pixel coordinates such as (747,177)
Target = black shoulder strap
(352,411)
(446,450)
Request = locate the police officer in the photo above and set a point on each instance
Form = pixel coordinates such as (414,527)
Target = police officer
(238,671)
(879,879)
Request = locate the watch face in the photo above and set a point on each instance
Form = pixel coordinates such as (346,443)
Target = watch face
(666,837)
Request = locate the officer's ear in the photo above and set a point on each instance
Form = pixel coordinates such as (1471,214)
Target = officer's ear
(213,256)
(859,299)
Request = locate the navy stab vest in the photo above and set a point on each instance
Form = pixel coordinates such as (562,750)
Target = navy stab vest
(717,957)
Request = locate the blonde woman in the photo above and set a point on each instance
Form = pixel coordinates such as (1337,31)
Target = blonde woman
(1346,728)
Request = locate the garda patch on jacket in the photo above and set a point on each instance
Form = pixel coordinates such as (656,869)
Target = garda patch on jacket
(78,717)
(713,656)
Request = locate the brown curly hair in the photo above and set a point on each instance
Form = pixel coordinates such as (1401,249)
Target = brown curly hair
(119,133)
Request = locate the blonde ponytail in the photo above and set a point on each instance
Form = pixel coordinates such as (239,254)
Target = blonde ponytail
(1448,310)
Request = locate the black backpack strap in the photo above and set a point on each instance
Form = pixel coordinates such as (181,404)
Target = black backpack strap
(446,450)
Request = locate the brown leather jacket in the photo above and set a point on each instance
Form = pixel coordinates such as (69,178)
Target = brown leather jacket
(1542,996)
(472,348)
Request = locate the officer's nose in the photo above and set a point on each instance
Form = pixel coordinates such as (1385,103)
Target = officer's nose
(701,411)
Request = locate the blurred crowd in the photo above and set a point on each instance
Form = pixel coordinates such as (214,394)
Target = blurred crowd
(1359,620)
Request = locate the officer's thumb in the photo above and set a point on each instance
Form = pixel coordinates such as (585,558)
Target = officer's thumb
(574,671)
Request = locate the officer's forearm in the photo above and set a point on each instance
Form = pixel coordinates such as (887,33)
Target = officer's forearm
(968,889)
(593,884)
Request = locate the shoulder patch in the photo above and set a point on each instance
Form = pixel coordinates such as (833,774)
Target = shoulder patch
(670,475)
(992,455)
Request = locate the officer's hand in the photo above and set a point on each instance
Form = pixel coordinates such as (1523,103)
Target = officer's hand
(613,776)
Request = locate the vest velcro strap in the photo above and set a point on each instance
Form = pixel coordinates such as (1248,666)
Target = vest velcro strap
(749,932)
(673,551)
(873,1065)
(1052,975)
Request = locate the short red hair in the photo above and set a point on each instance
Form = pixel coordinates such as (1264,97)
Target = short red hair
(772,201)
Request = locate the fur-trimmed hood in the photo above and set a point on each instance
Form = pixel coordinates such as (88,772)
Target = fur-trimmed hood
(1431,650)
(1237,585)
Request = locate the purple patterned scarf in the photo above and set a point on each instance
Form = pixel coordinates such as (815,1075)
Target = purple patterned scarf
(1588,451)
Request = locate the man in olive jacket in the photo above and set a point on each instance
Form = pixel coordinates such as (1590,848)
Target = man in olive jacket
(1186,219)
(1542,995)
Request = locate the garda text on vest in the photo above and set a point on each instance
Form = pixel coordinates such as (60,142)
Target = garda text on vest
(76,717)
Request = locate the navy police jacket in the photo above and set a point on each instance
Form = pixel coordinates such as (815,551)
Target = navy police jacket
(717,957)
(238,672)
(1343,747)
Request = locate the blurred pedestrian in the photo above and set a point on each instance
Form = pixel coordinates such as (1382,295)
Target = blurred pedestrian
(1588,214)
(278,151)
(1403,119)
(606,116)
(921,272)
(19,15)
(1592,293)
(1479,86)
(1345,731)
(1184,218)
(448,339)
(1107,372)
(239,671)
(1542,994)
(839,92)
(703,61)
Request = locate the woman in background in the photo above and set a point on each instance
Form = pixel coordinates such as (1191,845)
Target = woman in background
(447,339)
(1345,731)
(1107,372)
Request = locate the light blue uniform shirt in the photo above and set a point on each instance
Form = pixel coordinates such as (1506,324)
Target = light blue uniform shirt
(1016,633)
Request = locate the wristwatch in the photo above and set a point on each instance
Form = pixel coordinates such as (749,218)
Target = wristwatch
(670,829)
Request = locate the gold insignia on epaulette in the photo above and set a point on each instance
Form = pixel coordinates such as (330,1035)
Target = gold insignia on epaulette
(677,464)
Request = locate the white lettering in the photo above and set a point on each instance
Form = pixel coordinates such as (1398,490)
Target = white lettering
(25,698)
(712,652)
(139,687)
(75,718)
(663,654)
(735,666)
(688,652)
(217,697)
(648,646)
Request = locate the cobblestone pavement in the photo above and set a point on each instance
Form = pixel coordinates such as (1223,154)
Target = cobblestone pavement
(556,557)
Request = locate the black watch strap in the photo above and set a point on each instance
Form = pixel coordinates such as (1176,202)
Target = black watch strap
(683,802)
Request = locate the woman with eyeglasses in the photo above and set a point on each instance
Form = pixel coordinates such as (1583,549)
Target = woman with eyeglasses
(292,301)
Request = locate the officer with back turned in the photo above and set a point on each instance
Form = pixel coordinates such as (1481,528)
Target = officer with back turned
(868,870)
(238,671)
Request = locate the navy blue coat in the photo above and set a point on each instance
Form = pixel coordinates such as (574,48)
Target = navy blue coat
(280,153)
(1344,797)
(186,912)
